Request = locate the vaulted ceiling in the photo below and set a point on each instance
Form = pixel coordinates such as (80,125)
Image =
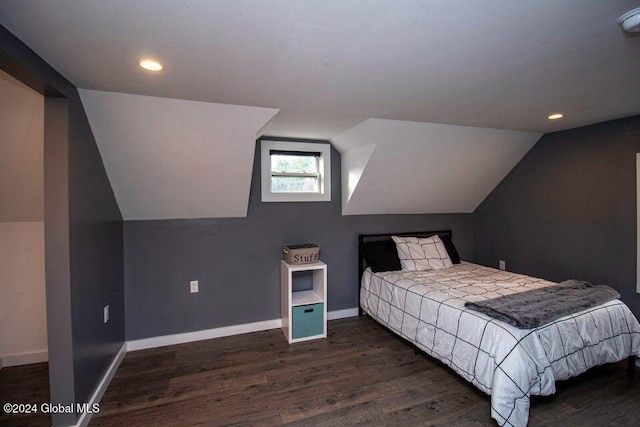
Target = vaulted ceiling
(440,168)
(171,158)
(335,70)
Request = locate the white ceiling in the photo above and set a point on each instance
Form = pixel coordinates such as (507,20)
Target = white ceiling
(326,64)
(334,69)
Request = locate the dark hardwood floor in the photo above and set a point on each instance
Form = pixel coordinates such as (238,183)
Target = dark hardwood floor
(360,375)
(25,384)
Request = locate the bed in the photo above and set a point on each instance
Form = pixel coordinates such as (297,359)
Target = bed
(427,308)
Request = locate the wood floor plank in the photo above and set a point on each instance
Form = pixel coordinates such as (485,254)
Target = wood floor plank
(25,384)
(360,375)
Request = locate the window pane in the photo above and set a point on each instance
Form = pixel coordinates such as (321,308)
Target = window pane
(294,184)
(293,164)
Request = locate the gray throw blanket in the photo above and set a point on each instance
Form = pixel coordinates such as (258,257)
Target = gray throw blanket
(537,307)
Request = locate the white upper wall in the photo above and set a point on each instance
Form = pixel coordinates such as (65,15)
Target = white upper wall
(392,166)
(169,158)
(23,320)
(21,152)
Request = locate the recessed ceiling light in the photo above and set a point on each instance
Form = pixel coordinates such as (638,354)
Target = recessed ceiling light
(555,116)
(150,64)
(630,21)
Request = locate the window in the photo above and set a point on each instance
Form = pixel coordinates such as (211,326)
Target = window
(295,171)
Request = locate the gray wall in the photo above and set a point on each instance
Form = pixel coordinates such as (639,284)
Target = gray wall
(237,260)
(568,209)
(96,253)
(56,242)
(91,276)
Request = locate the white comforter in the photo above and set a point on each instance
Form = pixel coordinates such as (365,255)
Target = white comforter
(510,364)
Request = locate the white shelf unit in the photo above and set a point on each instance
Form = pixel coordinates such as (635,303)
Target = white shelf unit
(293,303)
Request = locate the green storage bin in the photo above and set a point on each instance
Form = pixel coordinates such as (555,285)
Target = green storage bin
(307,320)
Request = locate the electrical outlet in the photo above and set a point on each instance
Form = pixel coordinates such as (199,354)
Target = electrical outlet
(194,286)
(106,313)
(502,265)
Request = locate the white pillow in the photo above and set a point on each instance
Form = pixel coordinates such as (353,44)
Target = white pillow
(422,253)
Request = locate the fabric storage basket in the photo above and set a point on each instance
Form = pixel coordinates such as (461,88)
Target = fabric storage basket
(301,254)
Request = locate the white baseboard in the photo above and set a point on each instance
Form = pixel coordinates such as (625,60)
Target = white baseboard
(342,314)
(84,419)
(24,358)
(225,331)
(205,334)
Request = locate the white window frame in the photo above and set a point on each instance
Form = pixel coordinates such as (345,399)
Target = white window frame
(324,194)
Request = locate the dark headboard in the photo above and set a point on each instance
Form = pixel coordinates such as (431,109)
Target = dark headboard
(364,238)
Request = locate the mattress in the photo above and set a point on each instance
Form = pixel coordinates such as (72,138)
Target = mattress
(510,364)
